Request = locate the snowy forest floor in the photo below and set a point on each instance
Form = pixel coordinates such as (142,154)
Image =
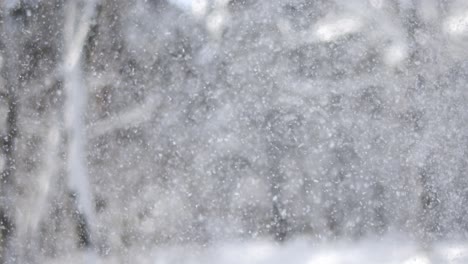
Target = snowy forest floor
(299,251)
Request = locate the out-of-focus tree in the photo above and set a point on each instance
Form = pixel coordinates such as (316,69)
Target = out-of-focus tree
(130,123)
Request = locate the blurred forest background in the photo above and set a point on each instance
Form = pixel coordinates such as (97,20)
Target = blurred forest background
(132,124)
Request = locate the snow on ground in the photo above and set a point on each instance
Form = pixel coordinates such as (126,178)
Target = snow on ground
(385,251)
(301,251)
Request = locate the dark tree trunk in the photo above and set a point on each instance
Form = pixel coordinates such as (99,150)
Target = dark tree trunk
(430,205)
(10,74)
(279,224)
(7,176)
(83,233)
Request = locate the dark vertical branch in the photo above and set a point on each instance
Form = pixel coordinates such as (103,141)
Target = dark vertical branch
(279,223)
(275,148)
(82,226)
(430,204)
(7,175)
(6,231)
(9,140)
(10,20)
(380,215)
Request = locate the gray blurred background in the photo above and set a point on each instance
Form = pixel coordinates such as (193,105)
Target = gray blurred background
(135,124)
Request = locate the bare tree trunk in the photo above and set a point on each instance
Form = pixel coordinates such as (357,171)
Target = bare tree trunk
(7,222)
(279,225)
(10,73)
(77,25)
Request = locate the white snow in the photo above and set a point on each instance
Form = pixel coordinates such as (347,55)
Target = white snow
(333,29)
(382,251)
(457,24)
(389,250)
